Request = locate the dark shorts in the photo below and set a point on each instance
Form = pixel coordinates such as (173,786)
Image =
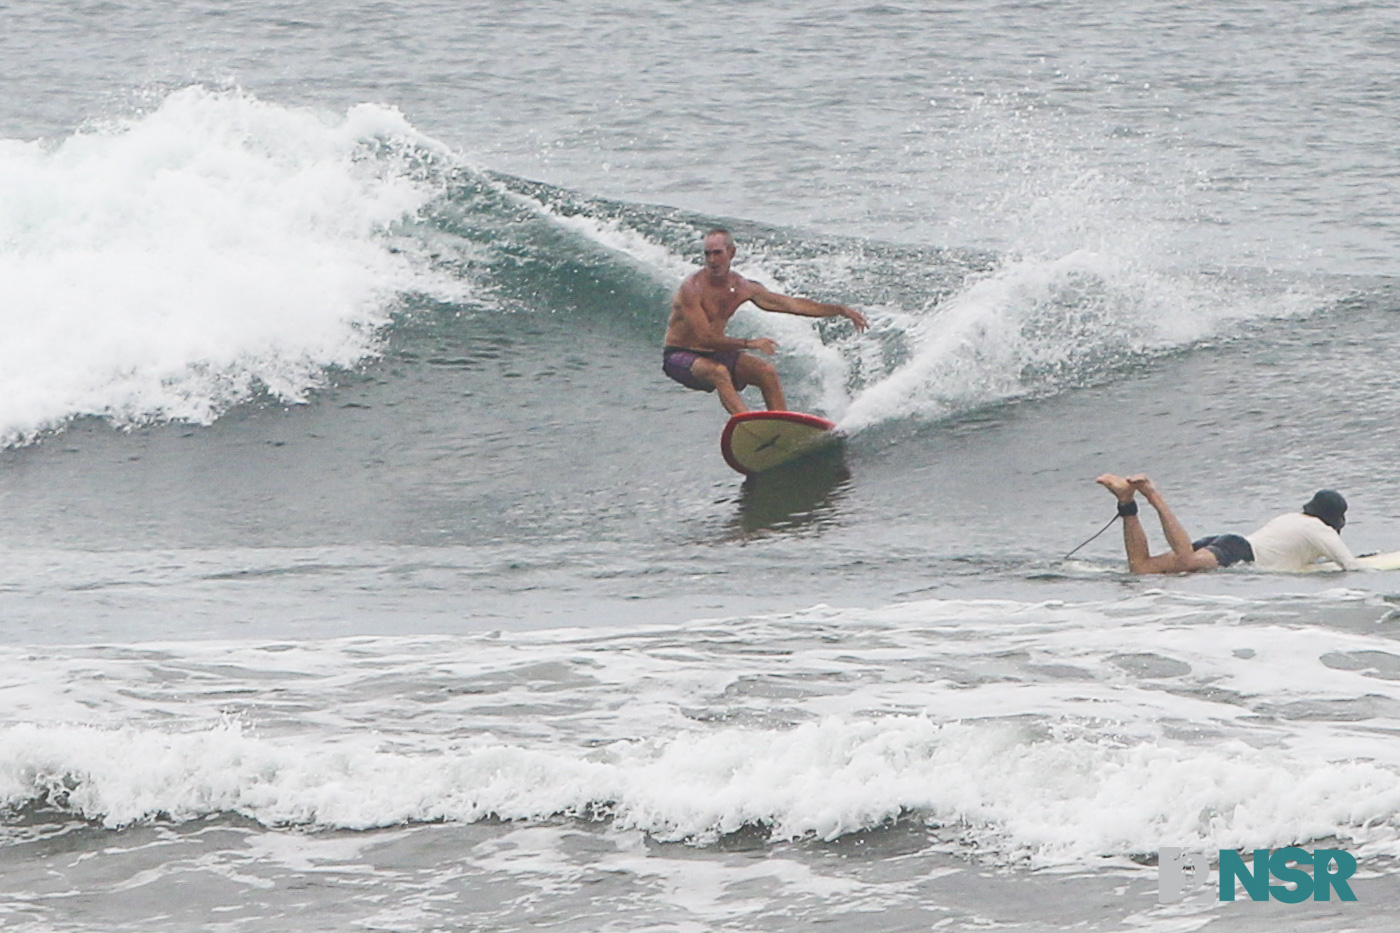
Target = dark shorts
(676,363)
(1228,549)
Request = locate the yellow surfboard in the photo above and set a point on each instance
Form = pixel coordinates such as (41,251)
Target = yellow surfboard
(756,441)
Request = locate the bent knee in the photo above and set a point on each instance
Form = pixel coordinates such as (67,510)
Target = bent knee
(759,371)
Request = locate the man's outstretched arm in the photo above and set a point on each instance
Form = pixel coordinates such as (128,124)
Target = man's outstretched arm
(804,307)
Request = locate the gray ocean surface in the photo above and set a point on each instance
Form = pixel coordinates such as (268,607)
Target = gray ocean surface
(360,570)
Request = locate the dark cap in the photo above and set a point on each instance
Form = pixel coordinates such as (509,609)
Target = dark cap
(1329,506)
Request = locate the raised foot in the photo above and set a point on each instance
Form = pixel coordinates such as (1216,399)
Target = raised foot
(1121,488)
(1142,483)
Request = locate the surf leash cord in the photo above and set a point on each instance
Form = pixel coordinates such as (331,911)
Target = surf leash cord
(1092,537)
(1125,510)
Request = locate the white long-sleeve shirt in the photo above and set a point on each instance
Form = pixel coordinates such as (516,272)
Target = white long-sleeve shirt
(1295,541)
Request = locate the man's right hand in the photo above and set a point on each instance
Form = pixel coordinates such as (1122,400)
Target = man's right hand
(763,345)
(855,317)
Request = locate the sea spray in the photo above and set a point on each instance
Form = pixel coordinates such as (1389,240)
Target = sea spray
(1034,327)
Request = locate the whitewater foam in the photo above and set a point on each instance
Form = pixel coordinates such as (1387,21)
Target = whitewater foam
(1046,732)
(1016,794)
(1036,325)
(169,264)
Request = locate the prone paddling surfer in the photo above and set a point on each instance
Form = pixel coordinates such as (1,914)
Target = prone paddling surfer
(697,352)
(1290,542)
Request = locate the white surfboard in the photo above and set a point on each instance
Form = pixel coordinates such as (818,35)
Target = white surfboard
(1390,560)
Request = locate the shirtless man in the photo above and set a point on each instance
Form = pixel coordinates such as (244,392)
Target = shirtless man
(1289,542)
(699,355)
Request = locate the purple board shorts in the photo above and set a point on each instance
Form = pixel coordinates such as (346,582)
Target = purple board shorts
(1228,549)
(676,363)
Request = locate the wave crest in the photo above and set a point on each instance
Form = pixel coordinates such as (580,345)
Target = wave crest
(1009,790)
(169,264)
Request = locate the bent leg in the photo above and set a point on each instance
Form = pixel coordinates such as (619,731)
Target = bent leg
(1181,558)
(717,375)
(1134,538)
(756,372)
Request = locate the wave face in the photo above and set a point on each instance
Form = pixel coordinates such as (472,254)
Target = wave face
(954,330)
(171,264)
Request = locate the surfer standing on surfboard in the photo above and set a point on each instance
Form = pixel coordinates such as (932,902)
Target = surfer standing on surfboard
(1289,542)
(697,352)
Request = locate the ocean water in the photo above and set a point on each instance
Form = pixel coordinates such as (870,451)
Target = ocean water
(360,570)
